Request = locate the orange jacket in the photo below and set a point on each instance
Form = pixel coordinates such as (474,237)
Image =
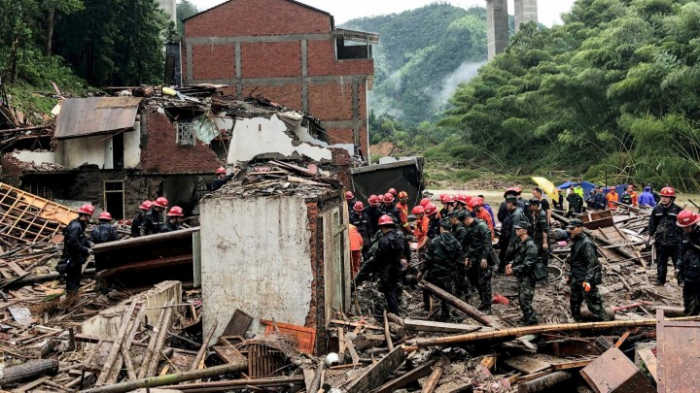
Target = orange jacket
(356,242)
(403,216)
(421,229)
(484,215)
(612,197)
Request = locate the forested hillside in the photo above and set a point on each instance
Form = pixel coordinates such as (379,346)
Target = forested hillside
(422,55)
(614,89)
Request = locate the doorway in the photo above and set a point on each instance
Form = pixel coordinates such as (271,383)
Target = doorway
(114,198)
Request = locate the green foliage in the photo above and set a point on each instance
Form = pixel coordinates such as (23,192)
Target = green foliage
(612,91)
(185,9)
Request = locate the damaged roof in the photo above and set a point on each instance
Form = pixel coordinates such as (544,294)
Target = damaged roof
(81,117)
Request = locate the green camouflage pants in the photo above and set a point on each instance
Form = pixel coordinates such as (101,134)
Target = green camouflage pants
(525,296)
(593,299)
(481,280)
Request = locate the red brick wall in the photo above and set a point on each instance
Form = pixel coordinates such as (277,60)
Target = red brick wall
(271,59)
(289,94)
(161,154)
(213,61)
(321,61)
(331,101)
(257,18)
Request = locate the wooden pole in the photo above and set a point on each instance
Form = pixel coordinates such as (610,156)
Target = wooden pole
(438,369)
(151,346)
(460,305)
(387,334)
(524,331)
(221,386)
(162,335)
(115,350)
(30,369)
(126,357)
(170,379)
(203,350)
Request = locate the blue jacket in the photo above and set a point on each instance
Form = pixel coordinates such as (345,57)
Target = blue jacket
(647,198)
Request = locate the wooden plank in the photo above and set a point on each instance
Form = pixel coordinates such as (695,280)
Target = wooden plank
(572,364)
(32,385)
(239,324)
(438,327)
(351,348)
(304,338)
(229,354)
(528,364)
(377,374)
(677,355)
(650,363)
(405,379)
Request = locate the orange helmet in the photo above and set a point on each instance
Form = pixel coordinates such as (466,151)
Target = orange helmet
(87,209)
(687,218)
(105,216)
(668,192)
(385,220)
(403,195)
(176,211)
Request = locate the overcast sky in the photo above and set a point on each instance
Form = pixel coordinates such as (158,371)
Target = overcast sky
(344,10)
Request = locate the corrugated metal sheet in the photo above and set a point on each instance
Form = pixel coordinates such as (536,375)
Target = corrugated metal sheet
(81,117)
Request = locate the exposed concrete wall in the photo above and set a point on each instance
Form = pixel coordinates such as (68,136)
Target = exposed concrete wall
(255,257)
(36,157)
(89,150)
(132,147)
(497,25)
(525,11)
(261,135)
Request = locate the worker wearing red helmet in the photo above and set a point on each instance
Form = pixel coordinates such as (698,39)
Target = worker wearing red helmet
(448,205)
(349,201)
(688,265)
(424,202)
(221,179)
(387,262)
(76,249)
(433,221)
(393,192)
(138,224)
(154,218)
(360,219)
(389,207)
(104,231)
(420,232)
(402,207)
(668,236)
(175,219)
(477,206)
(373,212)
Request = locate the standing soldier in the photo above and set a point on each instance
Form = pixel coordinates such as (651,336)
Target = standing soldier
(540,229)
(221,179)
(478,269)
(459,231)
(585,274)
(139,222)
(154,218)
(76,248)
(508,240)
(420,232)
(544,203)
(387,261)
(441,259)
(402,207)
(688,267)
(662,225)
(575,204)
(174,222)
(104,232)
(523,268)
(360,220)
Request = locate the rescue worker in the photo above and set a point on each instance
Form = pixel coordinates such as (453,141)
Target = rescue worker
(424,202)
(389,208)
(441,260)
(522,268)
(360,220)
(387,263)
(373,213)
(462,203)
(154,218)
(420,232)
(540,229)
(393,193)
(138,223)
(434,221)
(476,206)
(488,208)
(104,231)
(402,207)
(221,179)
(174,222)
(476,258)
(667,235)
(349,201)
(688,265)
(76,248)
(612,198)
(585,274)
(629,197)
(647,198)
(544,203)
(448,205)
(507,240)
(356,246)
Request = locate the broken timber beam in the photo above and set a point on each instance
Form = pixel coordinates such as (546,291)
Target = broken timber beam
(524,331)
(377,374)
(460,305)
(405,379)
(545,382)
(435,376)
(605,242)
(30,369)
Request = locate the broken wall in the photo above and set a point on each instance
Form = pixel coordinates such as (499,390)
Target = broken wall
(99,150)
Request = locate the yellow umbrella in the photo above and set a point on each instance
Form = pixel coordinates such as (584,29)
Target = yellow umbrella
(548,187)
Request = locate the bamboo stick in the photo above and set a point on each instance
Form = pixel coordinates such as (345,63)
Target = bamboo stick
(151,345)
(203,350)
(460,305)
(387,334)
(438,369)
(162,335)
(126,357)
(114,351)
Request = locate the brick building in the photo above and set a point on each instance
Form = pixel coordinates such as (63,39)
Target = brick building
(290,53)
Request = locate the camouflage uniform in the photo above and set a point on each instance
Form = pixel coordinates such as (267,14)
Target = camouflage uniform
(479,242)
(508,240)
(441,259)
(460,272)
(538,220)
(526,255)
(585,267)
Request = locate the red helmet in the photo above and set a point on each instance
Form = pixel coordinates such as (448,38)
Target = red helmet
(424,202)
(442,197)
(176,211)
(349,195)
(687,218)
(221,171)
(146,205)
(462,199)
(385,220)
(105,216)
(388,197)
(431,209)
(392,191)
(418,210)
(373,201)
(161,202)
(449,199)
(403,195)
(476,202)
(359,207)
(87,209)
(668,192)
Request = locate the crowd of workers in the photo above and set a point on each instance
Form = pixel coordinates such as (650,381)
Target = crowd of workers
(455,246)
